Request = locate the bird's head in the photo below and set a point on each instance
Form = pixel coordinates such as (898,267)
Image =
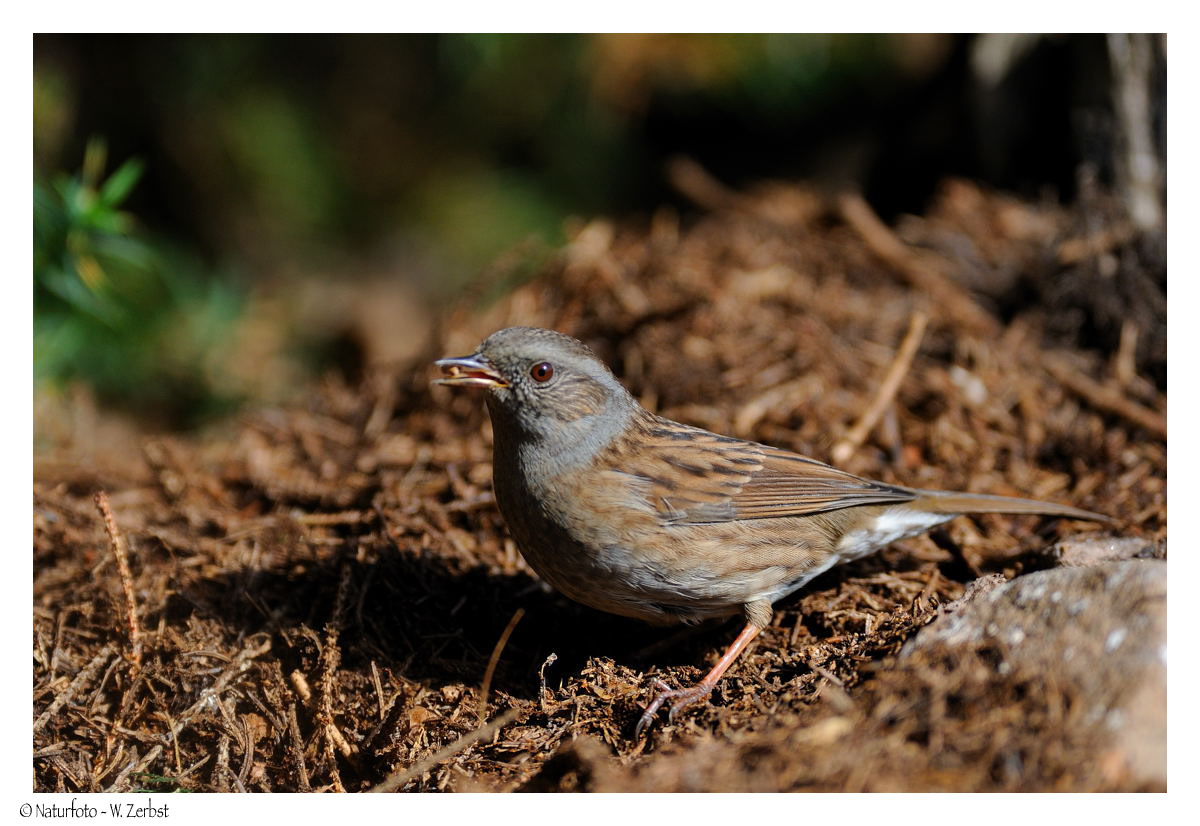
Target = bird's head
(550,386)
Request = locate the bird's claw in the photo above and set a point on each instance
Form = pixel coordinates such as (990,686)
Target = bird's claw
(679,699)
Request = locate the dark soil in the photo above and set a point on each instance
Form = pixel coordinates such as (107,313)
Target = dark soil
(319,590)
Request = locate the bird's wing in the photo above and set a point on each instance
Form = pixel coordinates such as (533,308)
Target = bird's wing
(691,476)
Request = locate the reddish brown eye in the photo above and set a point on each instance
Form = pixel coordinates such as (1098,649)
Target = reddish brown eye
(542,371)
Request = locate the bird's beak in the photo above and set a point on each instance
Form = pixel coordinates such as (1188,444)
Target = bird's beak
(469,371)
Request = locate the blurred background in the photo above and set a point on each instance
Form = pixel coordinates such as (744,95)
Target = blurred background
(223,220)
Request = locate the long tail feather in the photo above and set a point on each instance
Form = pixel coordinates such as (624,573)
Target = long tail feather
(953,502)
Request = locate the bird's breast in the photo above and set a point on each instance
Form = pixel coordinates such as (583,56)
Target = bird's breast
(594,539)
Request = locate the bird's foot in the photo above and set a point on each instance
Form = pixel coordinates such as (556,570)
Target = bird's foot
(679,699)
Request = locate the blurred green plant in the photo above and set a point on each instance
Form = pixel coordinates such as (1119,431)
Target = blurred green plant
(443,151)
(454,162)
(132,317)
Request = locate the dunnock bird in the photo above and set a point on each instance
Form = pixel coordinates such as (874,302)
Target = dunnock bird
(641,516)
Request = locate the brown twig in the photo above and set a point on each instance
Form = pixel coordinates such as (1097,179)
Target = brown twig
(384,386)
(378,690)
(81,679)
(341,518)
(550,660)
(1074,250)
(490,671)
(330,658)
(958,303)
(844,449)
(121,551)
(295,746)
(243,776)
(1105,398)
(1125,361)
(221,772)
(698,185)
(463,743)
(781,399)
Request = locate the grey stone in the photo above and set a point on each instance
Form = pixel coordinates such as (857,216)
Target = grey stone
(1102,627)
(1092,549)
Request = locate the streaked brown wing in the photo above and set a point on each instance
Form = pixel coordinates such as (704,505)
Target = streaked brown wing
(792,485)
(691,476)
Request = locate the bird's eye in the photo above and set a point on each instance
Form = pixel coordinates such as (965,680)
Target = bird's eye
(542,371)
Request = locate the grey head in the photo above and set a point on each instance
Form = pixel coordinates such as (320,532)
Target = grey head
(545,389)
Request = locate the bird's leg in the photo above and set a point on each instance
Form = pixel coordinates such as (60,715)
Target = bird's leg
(683,697)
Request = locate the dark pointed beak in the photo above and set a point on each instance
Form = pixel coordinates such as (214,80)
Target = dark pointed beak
(469,371)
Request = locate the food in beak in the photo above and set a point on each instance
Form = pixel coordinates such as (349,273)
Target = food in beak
(469,371)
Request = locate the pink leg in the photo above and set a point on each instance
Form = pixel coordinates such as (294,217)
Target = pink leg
(680,698)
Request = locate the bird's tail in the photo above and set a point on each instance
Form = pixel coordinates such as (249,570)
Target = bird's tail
(953,502)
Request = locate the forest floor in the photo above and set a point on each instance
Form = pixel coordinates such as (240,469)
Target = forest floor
(321,597)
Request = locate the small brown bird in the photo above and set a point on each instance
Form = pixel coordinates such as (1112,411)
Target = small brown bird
(634,514)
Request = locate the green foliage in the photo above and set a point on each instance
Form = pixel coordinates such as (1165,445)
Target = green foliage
(283,161)
(132,317)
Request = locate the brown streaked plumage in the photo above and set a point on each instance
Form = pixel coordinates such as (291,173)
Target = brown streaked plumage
(641,516)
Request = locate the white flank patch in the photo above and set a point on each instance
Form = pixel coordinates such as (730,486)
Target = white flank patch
(889,526)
